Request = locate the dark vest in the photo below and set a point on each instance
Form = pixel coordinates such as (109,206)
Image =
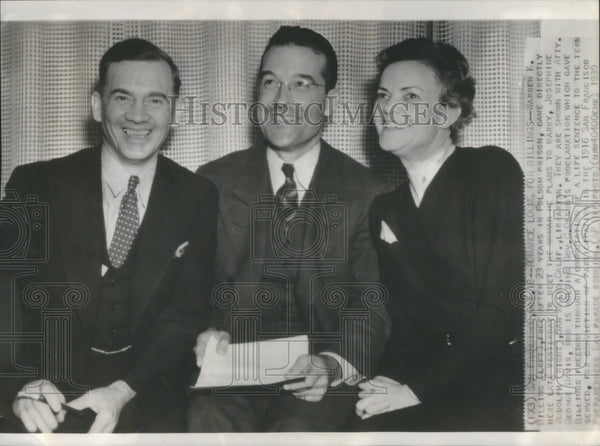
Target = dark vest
(112,329)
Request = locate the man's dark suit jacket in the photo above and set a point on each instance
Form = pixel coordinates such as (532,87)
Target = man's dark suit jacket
(348,264)
(169,291)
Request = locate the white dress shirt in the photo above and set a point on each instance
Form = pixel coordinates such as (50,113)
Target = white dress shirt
(304,168)
(115,179)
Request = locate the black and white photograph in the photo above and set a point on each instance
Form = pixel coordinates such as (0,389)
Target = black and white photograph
(300,222)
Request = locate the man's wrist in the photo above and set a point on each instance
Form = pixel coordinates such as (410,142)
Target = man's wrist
(123,389)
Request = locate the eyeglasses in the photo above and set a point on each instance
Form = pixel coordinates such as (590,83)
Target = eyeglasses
(297,87)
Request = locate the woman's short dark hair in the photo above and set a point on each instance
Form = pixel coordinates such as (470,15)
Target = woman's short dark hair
(296,35)
(450,67)
(136,50)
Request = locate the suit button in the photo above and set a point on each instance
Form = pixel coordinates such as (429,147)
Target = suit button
(448,339)
(113,331)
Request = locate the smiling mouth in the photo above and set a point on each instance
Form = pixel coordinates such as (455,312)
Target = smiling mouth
(137,133)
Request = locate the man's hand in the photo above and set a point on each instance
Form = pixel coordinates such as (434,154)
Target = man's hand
(382,395)
(318,371)
(107,402)
(39,406)
(223,340)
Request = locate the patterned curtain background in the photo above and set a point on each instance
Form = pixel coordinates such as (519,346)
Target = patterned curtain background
(48,70)
(495,52)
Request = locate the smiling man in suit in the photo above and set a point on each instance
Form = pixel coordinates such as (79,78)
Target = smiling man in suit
(136,233)
(294,249)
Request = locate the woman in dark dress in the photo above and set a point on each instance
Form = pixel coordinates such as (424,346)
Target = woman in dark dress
(450,245)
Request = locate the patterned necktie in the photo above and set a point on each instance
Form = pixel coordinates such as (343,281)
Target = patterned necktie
(287,195)
(127,225)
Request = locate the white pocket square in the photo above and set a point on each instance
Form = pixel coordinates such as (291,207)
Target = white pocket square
(386,233)
(181,249)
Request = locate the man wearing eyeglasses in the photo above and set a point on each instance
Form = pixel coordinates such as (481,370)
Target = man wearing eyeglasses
(293,248)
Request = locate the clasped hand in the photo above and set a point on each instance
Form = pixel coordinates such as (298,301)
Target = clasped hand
(318,371)
(382,394)
(39,405)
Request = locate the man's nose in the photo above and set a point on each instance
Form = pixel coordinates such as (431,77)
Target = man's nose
(284,95)
(137,112)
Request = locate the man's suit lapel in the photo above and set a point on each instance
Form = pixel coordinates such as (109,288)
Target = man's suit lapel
(327,184)
(77,206)
(252,181)
(158,237)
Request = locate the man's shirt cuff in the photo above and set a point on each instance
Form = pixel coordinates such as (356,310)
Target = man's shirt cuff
(350,375)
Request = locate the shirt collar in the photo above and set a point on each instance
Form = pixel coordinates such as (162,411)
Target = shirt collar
(116,176)
(421,176)
(304,167)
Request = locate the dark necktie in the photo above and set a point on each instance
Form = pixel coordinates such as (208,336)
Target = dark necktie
(127,225)
(287,195)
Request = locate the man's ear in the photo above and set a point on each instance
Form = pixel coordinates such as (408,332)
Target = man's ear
(330,100)
(96,101)
(452,114)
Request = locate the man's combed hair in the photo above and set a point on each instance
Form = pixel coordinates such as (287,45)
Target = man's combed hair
(135,50)
(450,67)
(296,35)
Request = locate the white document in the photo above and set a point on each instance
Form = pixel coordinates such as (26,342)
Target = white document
(250,364)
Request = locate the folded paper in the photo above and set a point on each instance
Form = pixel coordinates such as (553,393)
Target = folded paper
(251,363)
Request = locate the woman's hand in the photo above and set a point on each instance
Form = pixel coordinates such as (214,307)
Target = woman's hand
(381,395)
